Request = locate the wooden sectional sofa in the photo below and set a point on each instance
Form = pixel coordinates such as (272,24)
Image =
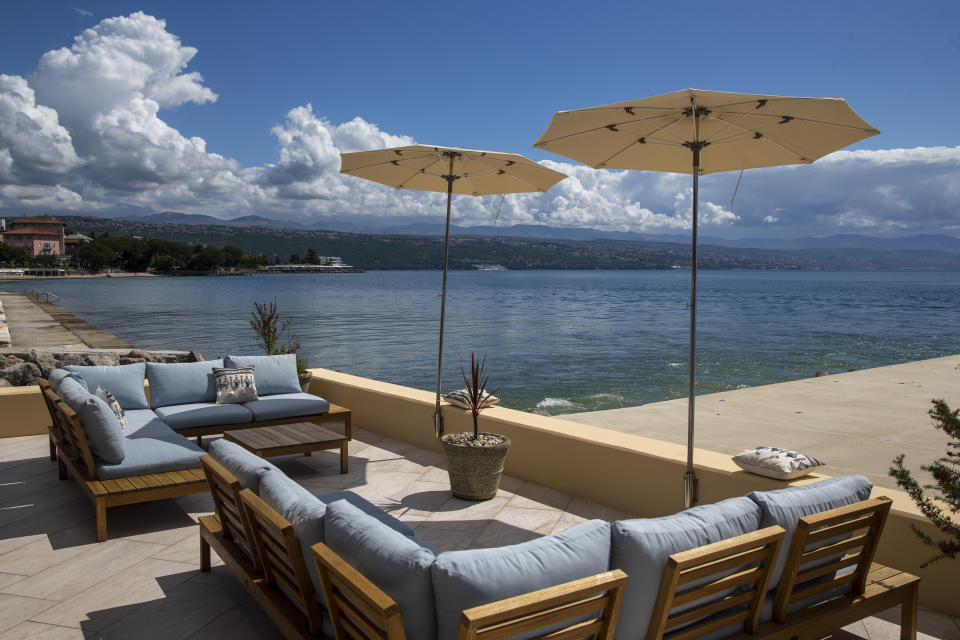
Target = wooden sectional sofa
(151,458)
(810,576)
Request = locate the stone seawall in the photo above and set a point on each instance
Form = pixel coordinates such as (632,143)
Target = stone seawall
(24,368)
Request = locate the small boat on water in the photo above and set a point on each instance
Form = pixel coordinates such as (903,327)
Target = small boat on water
(480,265)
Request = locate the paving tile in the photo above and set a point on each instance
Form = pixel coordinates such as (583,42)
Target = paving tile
(187,551)
(856,630)
(467,515)
(566,521)
(158,522)
(7,579)
(106,602)
(40,523)
(16,609)
(82,571)
(535,496)
(186,609)
(36,631)
(48,551)
(421,499)
(444,539)
(237,624)
(515,525)
(930,624)
(592,510)
(222,578)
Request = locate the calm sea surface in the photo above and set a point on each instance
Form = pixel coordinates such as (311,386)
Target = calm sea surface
(563,341)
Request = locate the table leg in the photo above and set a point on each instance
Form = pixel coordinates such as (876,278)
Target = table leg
(344,457)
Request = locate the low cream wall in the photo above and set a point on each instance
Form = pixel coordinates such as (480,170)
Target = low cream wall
(638,475)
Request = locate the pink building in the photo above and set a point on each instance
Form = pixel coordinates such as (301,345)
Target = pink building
(37,236)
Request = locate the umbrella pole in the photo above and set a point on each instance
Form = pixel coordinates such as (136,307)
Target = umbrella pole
(437,417)
(691,485)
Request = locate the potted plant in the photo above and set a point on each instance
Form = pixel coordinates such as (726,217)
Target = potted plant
(303,373)
(474,459)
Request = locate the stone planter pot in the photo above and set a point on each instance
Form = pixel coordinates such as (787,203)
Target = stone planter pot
(475,470)
(305,381)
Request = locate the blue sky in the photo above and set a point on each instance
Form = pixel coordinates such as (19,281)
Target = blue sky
(283,81)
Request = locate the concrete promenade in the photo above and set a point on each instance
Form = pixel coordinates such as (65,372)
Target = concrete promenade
(857,422)
(45,325)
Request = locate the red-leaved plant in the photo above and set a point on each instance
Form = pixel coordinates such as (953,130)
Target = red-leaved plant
(476,387)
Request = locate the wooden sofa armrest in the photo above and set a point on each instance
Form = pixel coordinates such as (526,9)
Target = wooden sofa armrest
(838,539)
(68,431)
(598,597)
(357,607)
(719,584)
(234,520)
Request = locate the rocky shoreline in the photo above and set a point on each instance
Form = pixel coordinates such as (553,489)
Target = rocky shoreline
(24,368)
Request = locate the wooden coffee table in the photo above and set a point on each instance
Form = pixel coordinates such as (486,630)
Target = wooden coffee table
(286,439)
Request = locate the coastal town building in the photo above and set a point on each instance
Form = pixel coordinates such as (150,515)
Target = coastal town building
(37,236)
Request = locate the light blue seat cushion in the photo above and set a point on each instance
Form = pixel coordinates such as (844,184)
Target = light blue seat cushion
(305,511)
(464,579)
(287,405)
(397,564)
(100,424)
(125,382)
(785,507)
(271,374)
(57,375)
(641,547)
(152,447)
(246,466)
(182,382)
(203,414)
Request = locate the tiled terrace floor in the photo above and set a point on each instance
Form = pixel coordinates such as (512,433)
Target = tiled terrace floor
(56,581)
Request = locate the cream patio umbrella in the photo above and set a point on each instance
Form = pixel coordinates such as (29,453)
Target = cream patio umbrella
(450,170)
(699,132)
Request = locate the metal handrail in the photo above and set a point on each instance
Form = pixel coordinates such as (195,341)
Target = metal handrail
(36,293)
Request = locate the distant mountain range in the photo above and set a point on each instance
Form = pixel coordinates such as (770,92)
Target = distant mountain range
(434,227)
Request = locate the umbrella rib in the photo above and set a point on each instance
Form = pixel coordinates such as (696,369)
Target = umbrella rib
(383,162)
(419,171)
(594,129)
(802,119)
(483,160)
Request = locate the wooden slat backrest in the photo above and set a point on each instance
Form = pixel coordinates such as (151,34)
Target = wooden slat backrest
(225,489)
(50,398)
(733,576)
(358,608)
(589,607)
(278,550)
(67,423)
(841,538)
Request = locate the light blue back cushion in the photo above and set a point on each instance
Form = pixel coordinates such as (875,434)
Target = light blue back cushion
(182,382)
(152,448)
(465,579)
(641,547)
(125,382)
(247,467)
(271,374)
(397,564)
(785,507)
(100,424)
(57,375)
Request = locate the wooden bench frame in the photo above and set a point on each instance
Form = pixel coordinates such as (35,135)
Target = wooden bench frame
(336,414)
(74,458)
(815,553)
(261,549)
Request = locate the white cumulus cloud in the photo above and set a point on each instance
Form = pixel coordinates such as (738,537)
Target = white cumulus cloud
(85,132)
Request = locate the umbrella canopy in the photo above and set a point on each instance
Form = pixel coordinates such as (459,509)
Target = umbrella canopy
(463,171)
(697,132)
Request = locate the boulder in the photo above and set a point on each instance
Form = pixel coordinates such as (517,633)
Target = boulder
(4,383)
(194,356)
(21,375)
(44,359)
(64,359)
(9,361)
(106,359)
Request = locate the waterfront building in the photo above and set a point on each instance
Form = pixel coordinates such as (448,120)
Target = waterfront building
(43,235)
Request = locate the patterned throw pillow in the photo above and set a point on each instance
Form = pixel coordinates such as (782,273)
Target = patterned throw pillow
(777,463)
(107,397)
(235,385)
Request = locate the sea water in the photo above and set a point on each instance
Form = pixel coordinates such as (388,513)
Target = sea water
(561,341)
